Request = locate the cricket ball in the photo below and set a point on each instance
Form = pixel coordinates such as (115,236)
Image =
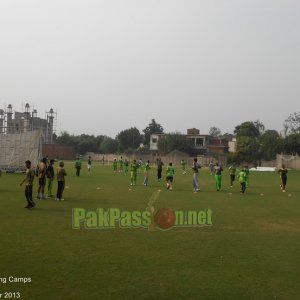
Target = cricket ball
(165,218)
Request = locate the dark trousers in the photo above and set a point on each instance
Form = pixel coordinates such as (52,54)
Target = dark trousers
(60,189)
(77,171)
(232,179)
(243,187)
(28,195)
(159,174)
(283,182)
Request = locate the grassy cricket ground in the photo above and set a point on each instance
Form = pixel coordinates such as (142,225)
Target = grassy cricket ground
(250,252)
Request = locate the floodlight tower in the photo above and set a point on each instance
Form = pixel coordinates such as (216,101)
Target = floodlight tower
(50,126)
(27,111)
(26,120)
(2,119)
(9,114)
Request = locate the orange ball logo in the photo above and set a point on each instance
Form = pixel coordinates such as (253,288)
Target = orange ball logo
(165,218)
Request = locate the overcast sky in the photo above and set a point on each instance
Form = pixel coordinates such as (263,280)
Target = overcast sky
(109,65)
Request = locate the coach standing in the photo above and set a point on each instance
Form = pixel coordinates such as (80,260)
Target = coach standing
(196,166)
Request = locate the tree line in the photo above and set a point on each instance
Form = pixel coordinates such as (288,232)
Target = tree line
(253,141)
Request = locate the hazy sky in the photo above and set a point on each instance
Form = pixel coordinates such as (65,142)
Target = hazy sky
(110,65)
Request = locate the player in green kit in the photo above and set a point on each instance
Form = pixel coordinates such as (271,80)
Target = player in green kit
(218,176)
(146,172)
(133,172)
(183,164)
(78,164)
(115,165)
(126,165)
(232,172)
(121,163)
(170,176)
(283,176)
(242,176)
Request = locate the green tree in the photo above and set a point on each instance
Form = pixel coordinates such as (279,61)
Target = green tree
(214,131)
(65,138)
(292,144)
(83,143)
(248,147)
(108,145)
(174,141)
(259,126)
(152,128)
(292,124)
(271,144)
(249,129)
(129,139)
(227,136)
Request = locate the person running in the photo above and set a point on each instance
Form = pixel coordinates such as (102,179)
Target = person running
(133,172)
(115,165)
(196,166)
(170,176)
(28,180)
(183,164)
(61,173)
(211,167)
(283,177)
(159,168)
(89,165)
(50,178)
(121,163)
(41,174)
(242,180)
(126,165)
(247,171)
(78,164)
(232,172)
(140,165)
(218,176)
(146,172)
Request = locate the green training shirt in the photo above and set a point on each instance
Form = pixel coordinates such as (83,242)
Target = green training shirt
(170,171)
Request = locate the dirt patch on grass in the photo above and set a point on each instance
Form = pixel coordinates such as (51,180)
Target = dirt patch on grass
(292,227)
(229,228)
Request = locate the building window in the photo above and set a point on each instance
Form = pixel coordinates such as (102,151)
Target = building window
(199,142)
(154,140)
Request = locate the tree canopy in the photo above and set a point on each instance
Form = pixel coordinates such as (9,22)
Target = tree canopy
(292,124)
(174,141)
(214,131)
(129,139)
(152,128)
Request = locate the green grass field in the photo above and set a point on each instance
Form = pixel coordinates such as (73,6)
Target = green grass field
(252,251)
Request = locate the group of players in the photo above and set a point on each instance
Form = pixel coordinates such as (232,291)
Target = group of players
(46,175)
(216,169)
